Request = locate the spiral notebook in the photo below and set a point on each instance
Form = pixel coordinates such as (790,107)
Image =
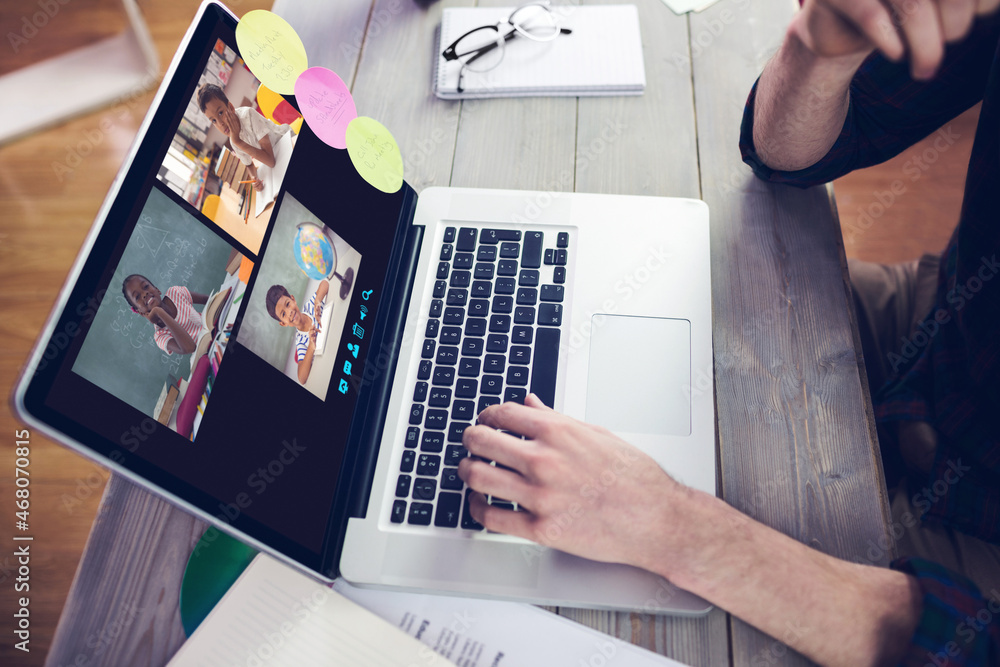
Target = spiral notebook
(602,56)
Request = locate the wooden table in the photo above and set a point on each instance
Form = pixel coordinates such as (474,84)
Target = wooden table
(796,438)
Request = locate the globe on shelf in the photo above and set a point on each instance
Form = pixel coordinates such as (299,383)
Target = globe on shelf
(317,257)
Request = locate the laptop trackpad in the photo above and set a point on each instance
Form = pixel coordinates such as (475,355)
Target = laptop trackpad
(639,379)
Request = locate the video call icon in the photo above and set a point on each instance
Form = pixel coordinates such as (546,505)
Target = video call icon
(353,348)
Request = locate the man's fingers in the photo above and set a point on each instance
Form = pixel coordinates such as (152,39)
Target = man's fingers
(533,401)
(921,25)
(491,444)
(494,481)
(498,519)
(523,419)
(874,21)
(956,18)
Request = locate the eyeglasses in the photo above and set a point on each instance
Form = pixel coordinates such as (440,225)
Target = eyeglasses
(481,49)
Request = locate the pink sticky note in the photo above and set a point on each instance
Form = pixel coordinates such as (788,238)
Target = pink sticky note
(326,105)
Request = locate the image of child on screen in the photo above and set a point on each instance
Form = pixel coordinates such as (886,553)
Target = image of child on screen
(177,324)
(283,307)
(251,136)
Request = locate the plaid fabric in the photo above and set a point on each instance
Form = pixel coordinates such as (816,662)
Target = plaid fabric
(958,626)
(948,372)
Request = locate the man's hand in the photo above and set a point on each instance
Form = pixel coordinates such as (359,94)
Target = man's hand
(917,29)
(585,491)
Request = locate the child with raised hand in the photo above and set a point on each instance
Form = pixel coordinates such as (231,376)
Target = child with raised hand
(177,324)
(282,306)
(251,136)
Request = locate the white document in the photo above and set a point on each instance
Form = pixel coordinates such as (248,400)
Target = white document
(276,617)
(684,6)
(602,56)
(273,176)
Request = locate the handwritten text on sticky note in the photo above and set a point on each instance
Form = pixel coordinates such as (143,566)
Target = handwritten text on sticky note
(375,154)
(326,105)
(271,49)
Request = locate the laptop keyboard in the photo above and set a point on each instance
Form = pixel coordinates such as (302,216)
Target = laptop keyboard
(492,335)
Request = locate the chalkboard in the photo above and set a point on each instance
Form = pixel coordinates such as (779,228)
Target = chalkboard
(170,247)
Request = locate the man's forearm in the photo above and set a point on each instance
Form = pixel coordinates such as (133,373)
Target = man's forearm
(833,611)
(801,104)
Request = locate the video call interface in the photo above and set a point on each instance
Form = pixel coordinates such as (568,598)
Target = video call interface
(235,308)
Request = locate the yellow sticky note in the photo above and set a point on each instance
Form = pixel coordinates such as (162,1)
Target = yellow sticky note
(271,49)
(375,153)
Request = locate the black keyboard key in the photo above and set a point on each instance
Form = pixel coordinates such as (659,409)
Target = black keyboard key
(500,323)
(468,523)
(483,271)
(443,376)
(428,351)
(543,371)
(515,394)
(521,335)
(562,240)
(486,253)
(524,315)
(420,392)
(502,504)
(481,289)
(416,413)
(398,511)
(449,234)
(451,481)
(507,267)
(431,331)
(436,419)
(550,256)
(433,441)
(494,363)
(503,304)
(424,370)
(451,335)
(430,465)
(403,486)
(466,239)
(424,489)
(479,308)
(517,376)
(550,314)
(505,286)
(473,347)
(440,287)
(528,278)
(494,236)
(412,436)
(561,257)
(475,326)
(487,401)
(531,258)
(469,367)
(446,250)
(444,268)
(447,355)
(457,297)
(510,250)
(440,397)
(491,385)
(455,431)
(437,306)
(519,354)
(463,260)
(453,454)
(406,464)
(463,410)
(454,315)
(449,508)
(527,296)
(559,274)
(461,279)
(497,342)
(466,388)
(420,514)
(551,293)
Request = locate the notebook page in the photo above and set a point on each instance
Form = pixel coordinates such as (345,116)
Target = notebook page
(278,617)
(603,55)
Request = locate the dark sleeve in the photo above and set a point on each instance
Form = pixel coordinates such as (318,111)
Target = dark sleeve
(958,625)
(888,111)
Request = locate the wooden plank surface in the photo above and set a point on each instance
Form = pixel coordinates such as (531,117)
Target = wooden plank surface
(796,435)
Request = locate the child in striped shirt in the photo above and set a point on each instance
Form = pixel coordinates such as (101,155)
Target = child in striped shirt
(177,323)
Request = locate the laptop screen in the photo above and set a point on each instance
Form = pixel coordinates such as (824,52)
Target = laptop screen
(216,335)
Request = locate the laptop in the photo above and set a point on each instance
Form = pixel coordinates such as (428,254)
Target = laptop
(343,461)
